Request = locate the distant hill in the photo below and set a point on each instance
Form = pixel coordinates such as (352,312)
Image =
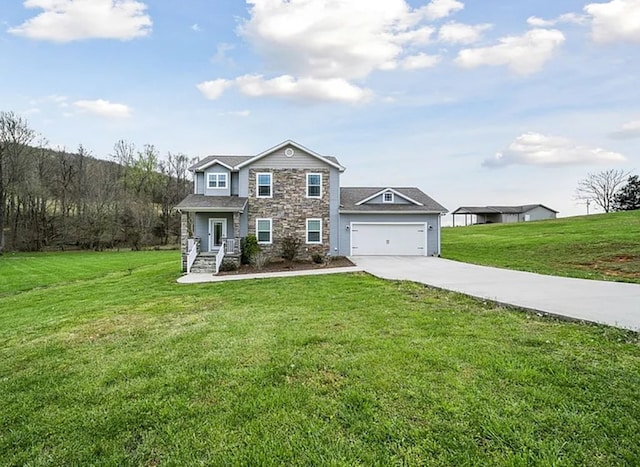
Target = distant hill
(601,246)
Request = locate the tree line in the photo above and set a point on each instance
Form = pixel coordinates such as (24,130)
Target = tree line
(60,200)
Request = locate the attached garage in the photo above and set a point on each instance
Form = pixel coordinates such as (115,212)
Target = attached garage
(388,239)
(386,221)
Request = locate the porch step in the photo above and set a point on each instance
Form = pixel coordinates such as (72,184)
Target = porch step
(206,262)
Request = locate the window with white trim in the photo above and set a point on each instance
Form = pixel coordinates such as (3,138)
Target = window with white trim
(314,185)
(314,230)
(387,197)
(217,180)
(264,185)
(264,230)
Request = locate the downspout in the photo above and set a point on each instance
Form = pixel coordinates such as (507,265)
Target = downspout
(439,233)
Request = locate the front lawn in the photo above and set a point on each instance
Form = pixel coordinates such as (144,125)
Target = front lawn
(125,367)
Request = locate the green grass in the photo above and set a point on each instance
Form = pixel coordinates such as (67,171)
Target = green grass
(603,246)
(24,271)
(129,368)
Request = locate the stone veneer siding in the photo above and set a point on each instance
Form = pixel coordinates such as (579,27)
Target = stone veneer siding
(289,208)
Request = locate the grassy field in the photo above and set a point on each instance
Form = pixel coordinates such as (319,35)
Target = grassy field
(602,246)
(114,363)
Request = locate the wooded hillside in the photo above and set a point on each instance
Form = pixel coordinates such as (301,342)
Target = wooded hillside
(58,199)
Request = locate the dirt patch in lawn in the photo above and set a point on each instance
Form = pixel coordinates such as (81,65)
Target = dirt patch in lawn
(283,266)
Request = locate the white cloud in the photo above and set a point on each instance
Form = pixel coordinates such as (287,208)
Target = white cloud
(103,108)
(566,18)
(70,20)
(420,61)
(523,55)
(629,130)
(438,9)
(334,38)
(305,89)
(214,89)
(196,27)
(617,20)
(317,50)
(551,151)
(458,33)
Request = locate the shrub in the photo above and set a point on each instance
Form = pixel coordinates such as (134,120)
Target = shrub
(228,265)
(317,258)
(249,248)
(290,247)
(259,260)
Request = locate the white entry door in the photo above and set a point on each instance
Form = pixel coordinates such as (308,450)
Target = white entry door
(388,239)
(217,231)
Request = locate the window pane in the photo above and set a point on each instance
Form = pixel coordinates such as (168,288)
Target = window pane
(264,236)
(313,226)
(264,190)
(264,225)
(314,179)
(222,181)
(212,181)
(264,179)
(314,191)
(313,237)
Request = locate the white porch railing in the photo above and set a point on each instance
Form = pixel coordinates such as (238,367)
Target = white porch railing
(220,256)
(230,245)
(192,248)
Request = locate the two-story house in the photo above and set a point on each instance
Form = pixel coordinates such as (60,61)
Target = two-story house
(290,190)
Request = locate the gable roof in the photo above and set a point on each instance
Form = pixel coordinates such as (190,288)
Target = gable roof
(227,161)
(499,209)
(332,161)
(234,163)
(389,190)
(353,199)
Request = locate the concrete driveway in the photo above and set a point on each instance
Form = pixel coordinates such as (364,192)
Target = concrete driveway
(612,303)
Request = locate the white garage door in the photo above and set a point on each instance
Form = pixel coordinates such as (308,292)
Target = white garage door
(392,239)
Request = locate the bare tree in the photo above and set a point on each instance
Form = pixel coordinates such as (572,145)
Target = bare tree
(601,187)
(15,137)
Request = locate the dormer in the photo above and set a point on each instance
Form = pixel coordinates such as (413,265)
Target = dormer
(217,180)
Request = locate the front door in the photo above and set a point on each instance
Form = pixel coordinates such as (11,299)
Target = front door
(217,231)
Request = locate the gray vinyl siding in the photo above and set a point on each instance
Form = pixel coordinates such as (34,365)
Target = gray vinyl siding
(234,183)
(217,192)
(432,221)
(201,226)
(199,183)
(243,182)
(334,206)
(300,160)
(538,214)
(396,200)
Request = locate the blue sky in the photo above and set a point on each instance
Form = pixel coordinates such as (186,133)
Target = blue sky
(476,102)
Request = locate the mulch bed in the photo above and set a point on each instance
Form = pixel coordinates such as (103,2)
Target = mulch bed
(282,266)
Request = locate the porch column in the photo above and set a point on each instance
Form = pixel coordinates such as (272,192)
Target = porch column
(184,236)
(236,230)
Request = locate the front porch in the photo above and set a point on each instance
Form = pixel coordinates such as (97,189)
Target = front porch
(210,231)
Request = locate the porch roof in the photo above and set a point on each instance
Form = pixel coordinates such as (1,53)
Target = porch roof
(202,203)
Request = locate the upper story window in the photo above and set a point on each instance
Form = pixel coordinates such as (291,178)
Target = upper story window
(387,197)
(217,181)
(314,185)
(264,188)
